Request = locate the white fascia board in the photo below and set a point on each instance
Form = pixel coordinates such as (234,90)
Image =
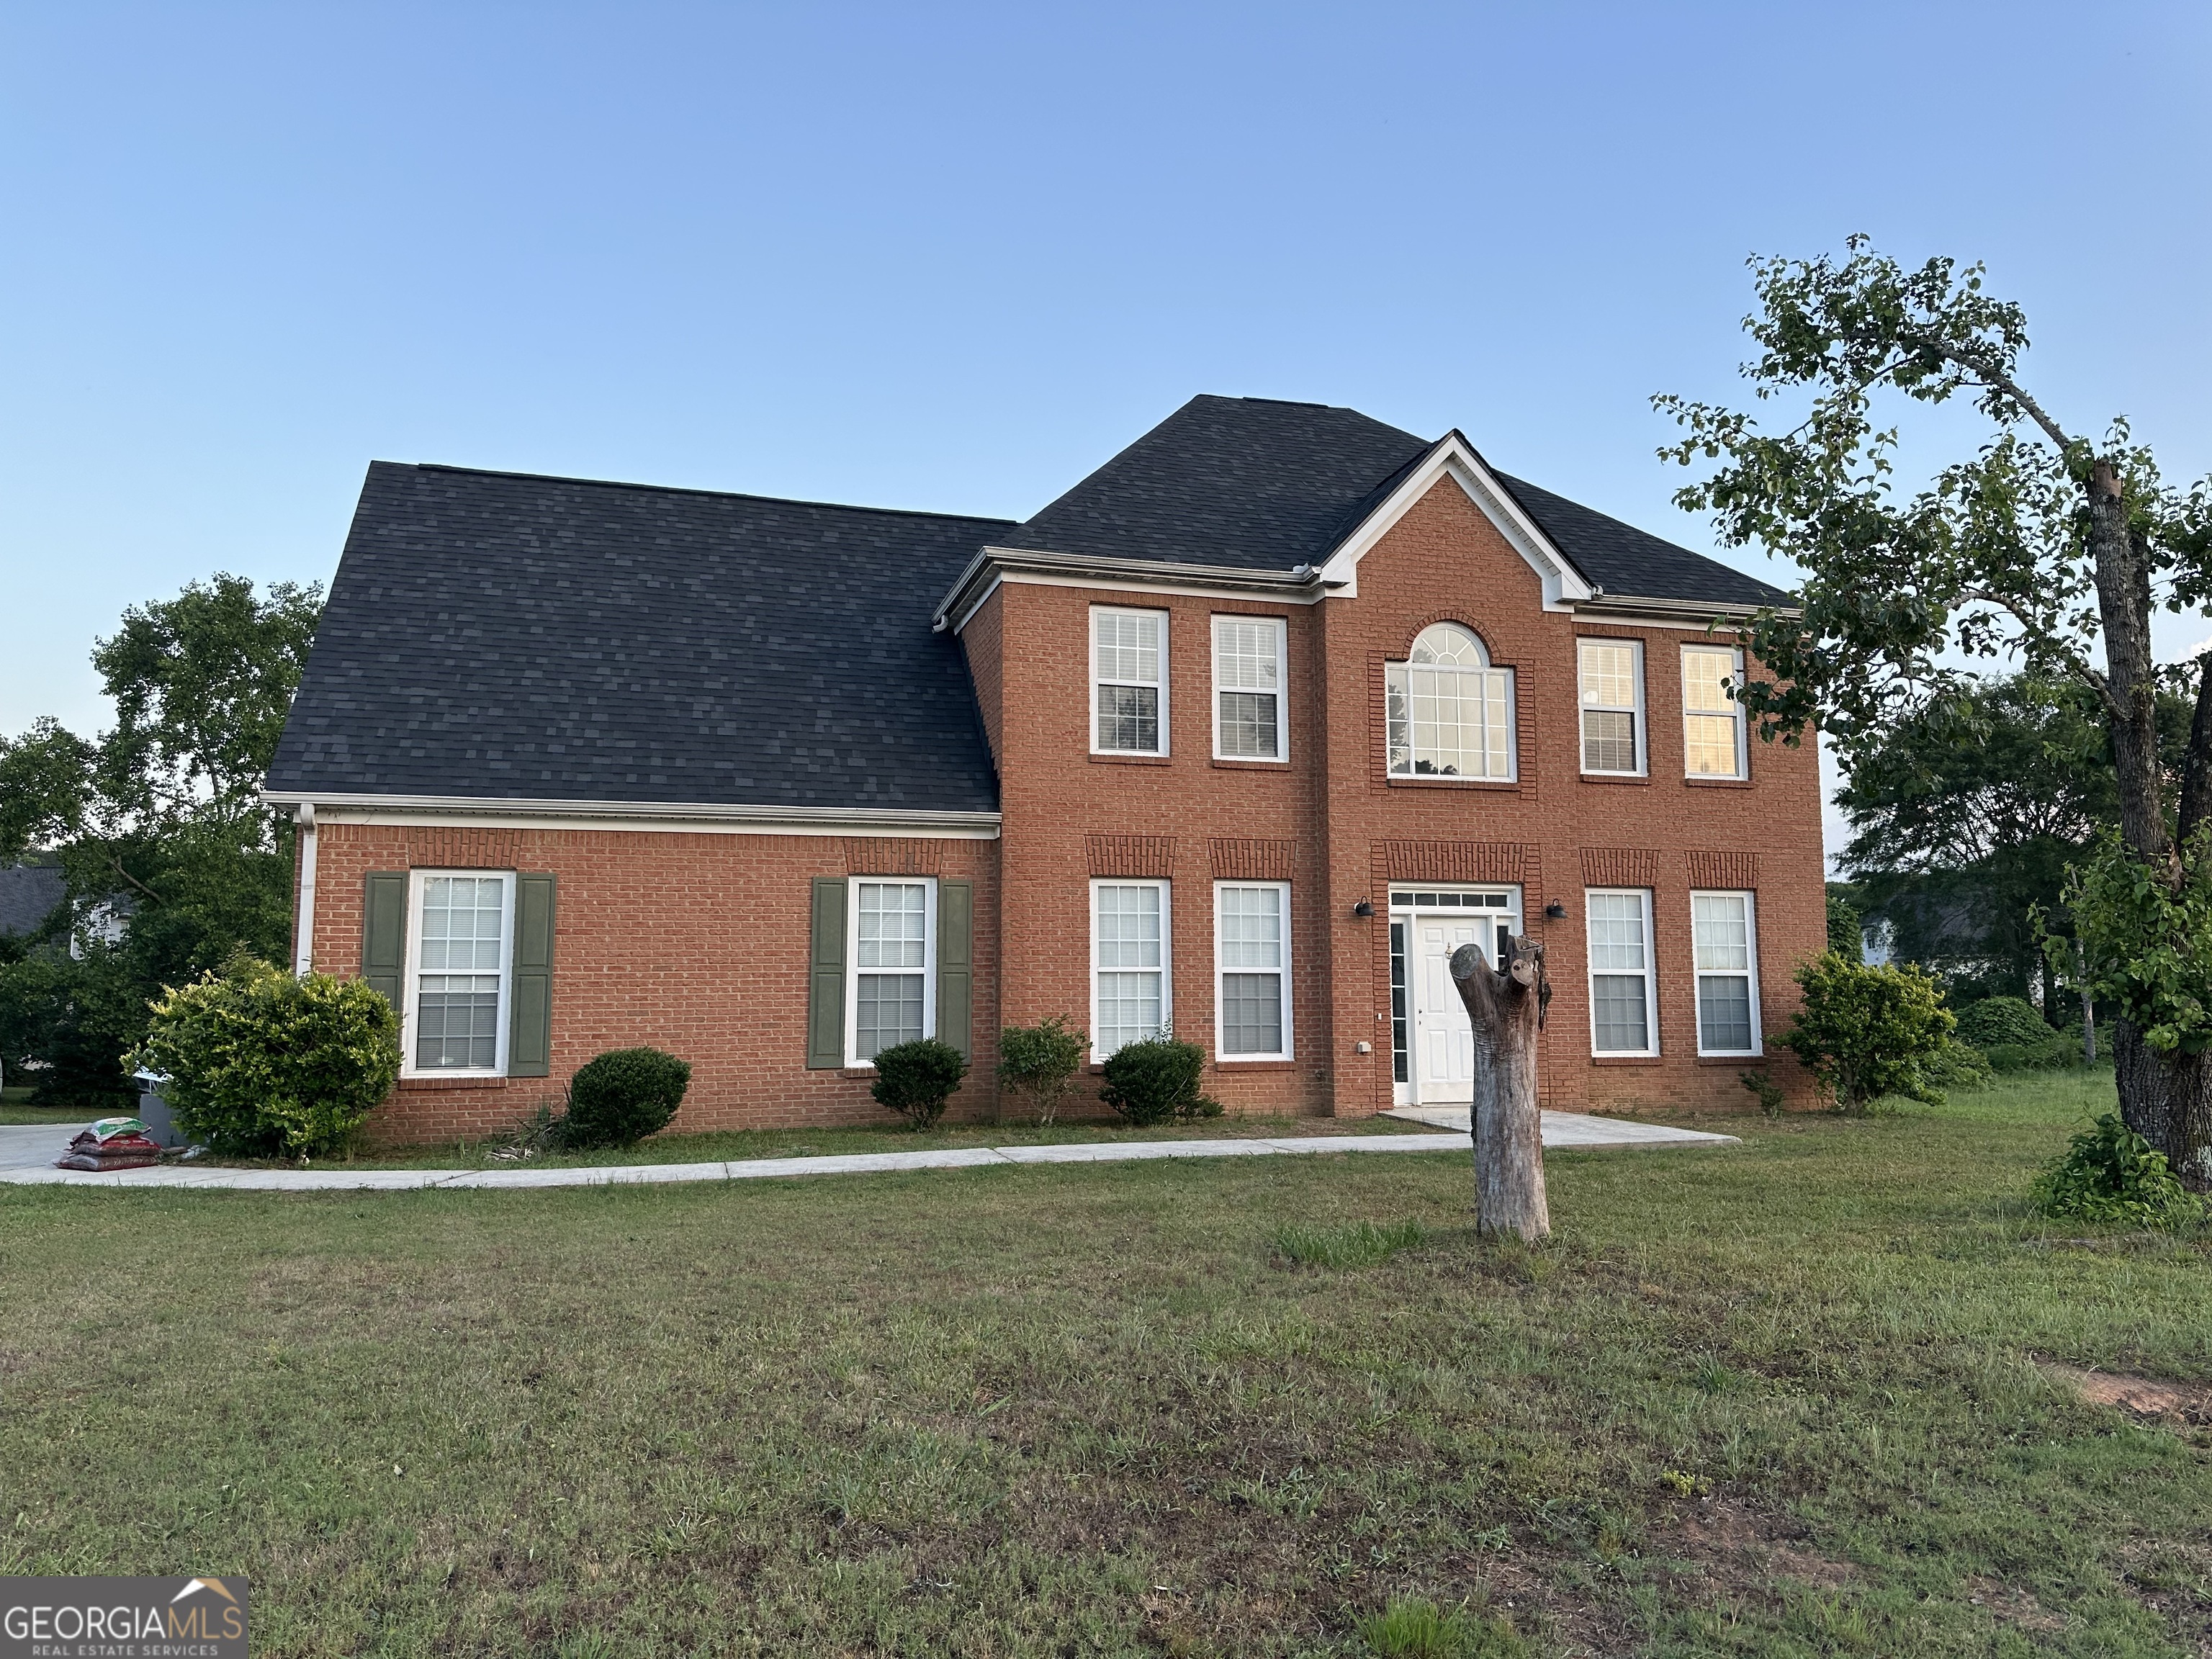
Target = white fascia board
(1455,458)
(649,815)
(994,566)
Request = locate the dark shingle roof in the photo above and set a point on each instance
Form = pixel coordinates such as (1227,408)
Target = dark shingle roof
(498,635)
(1257,485)
(1244,482)
(29,893)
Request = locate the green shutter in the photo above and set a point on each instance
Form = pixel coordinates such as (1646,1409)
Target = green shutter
(825,983)
(956,963)
(530,1030)
(384,935)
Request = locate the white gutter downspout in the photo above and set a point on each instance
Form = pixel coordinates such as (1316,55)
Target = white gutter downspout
(305,818)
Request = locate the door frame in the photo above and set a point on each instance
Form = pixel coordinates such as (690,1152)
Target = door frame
(1404,909)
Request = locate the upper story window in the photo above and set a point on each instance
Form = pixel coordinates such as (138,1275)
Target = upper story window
(1712,720)
(1612,696)
(1250,720)
(1449,713)
(1128,682)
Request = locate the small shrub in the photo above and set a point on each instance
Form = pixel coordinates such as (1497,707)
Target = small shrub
(1955,1065)
(619,1097)
(263,1064)
(2046,1057)
(1041,1061)
(1157,1079)
(1413,1627)
(1995,1020)
(2110,1173)
(1771,1098)
(1362,1244)
(915,1079)
(1866,1032)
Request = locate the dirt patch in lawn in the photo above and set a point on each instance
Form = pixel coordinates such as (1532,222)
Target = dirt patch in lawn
(2144,1396)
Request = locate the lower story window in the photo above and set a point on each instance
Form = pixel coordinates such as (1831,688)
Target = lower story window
(1724,935)
(892,924)
(458,976)
(1252,950)
(1130,996)
(1624,1019)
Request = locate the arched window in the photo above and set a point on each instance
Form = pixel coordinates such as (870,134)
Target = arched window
(1450,712)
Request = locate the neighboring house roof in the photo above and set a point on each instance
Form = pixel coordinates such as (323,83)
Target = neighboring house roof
(29,893)
(1253,483)
(496,636)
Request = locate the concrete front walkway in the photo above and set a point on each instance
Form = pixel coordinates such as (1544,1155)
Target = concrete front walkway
(27,1155)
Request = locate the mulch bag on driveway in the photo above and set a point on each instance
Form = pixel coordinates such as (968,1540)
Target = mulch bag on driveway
(114,1143)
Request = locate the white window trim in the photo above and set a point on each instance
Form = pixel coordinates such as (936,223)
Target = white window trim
(1581,708)
(1098,1056)
(1288,1051)
(1735,675)
(1650,974)
(1696,974)
(1090,658)
(852,884)
(410,982)
(1512,718)
(1281,629)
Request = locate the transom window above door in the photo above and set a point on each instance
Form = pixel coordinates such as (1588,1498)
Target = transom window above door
(1449,712)
(1128,682)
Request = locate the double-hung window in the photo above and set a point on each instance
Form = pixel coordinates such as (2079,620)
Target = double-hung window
(1723,933)
(892,930)
(1624,1004)
(1449,712)
(458,972)
(1612,695)
(1712,720)
(1131,998)
(1250,720)
(1128,682)
(1252,963)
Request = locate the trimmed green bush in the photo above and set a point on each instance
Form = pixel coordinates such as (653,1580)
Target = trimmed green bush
(1868,1032)
(1955,1065)
(915,1079)
(262,1065)
(1159,1079)
(619,1097)
(2110,1173)
(1041,1061)
(1995,1020)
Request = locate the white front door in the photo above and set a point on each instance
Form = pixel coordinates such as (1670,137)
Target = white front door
(1441,1042)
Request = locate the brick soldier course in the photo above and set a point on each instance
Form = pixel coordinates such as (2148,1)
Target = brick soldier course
(680,750)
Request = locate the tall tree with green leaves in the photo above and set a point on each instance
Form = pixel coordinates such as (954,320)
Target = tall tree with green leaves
(2045,546)
(159,818)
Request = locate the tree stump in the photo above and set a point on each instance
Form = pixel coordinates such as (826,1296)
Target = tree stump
(1507,1010)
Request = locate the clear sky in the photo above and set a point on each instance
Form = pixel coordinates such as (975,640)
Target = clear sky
(954,255)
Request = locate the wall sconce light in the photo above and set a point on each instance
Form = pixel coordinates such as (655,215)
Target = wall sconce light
(1556,911)
(1365,908)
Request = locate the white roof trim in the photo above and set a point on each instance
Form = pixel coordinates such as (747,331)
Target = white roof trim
(1454,458)
(640,815)
(993,565)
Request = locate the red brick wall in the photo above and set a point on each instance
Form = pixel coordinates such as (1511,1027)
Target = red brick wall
(696,943)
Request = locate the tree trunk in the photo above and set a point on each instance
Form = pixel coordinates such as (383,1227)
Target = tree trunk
(1507,1010)
(2167,1102)
(2123,605)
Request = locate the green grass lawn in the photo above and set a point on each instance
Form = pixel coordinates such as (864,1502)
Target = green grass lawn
(1776,1399)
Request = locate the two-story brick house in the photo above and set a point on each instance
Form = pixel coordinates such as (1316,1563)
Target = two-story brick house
(1243,735)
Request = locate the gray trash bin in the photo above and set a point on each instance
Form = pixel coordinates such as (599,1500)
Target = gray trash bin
(153,1111)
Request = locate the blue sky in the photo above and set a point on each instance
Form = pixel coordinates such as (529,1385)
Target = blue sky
(953,257)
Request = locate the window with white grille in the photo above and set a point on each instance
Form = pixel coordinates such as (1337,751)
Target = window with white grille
(1250,719)
(457,971)
(1252,963)
(1712,720)
(1624,1004)
(1724,936)
(1450,713)
(1130,996)
(891,972)
(1128,682)
(1612,698)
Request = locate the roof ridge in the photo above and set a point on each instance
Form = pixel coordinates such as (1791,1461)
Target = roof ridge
(694,489)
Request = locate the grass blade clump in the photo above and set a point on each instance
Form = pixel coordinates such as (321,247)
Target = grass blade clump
(1362,1244)
(1413,1627)
(2110,1173)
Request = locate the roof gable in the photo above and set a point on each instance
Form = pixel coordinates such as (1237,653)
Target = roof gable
(500,637)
